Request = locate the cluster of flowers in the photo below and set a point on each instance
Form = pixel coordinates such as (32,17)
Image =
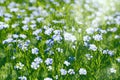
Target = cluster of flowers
(3,25)
(35,65)
(82,71)
(38,15)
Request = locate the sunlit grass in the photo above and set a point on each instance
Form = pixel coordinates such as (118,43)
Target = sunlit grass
(72,18)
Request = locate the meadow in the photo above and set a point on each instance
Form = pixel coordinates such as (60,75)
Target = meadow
(59,39)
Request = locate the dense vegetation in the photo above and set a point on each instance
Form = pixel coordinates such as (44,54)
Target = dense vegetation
(59,40)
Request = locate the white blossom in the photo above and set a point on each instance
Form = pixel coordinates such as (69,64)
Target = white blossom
(48,78)
(112,70)
(117,37)
(35,51)
(22,78)
(57,32)
(71,71)
(117,20)
(63,71)
(79,30)
(97,37)
(23,36)
(89,56)
(49,68)
(118,60)
(36,32)
(19,65)
(25,27)
(111,53)
(49,61)
(92,47)
(48,31)
(66,63)
(14,25)
(9,40)
(15,36)
(35,65)
(82,71)
(56,77)
(90,30)
(114,29)
(57,37)
(69,37)
(38,60)
(86,38)
(59,50)
(67,1)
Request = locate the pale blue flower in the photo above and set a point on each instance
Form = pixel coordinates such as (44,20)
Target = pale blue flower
(82,71)
(49,61)
(35,51)
(63,71)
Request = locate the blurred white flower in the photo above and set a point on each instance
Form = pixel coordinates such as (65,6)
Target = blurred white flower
(59,50)
(3,25)
(69,37)
(13,57)
(15,36)
(48,78)
(22,78)
(35,65)
(86,38)
(79,30)
(8,40)
(105,51)
(63,71)
(89,56)
(66,63)
(23,36)
(38,60)
(112,70)
(48,31)
(71,71)
(56,77)
(38,37)
(82,71)
(118,60)
(73,46)
(36,32)
(33,26)
(111,53)
(40,19)
(25,27)
(97,37)
(86,44)
(35,51)
(67,1)
(2,1)
(49,61)
(114,29)
(90,30)
(73,29)
(57,22)
(57,37)
(92,47)
(19,66)
(117,37)
(49,68)
(117,20)
(14,25)
(57,32)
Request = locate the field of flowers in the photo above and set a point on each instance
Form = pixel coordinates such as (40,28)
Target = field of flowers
(59,39)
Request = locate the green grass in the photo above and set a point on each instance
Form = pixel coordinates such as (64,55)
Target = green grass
(97,67)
